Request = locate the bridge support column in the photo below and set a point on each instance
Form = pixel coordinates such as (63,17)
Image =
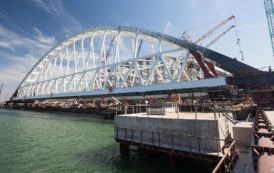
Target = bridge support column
(173,159)
(124,149)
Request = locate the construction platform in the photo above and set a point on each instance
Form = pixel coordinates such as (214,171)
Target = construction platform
(200,133)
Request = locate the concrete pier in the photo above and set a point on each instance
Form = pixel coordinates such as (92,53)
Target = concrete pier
(197,133)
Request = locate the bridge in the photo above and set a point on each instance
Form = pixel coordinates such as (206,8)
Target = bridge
(109,61)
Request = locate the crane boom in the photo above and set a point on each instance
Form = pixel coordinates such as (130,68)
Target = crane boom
(203,63)
(220,36)
(110,47)
(206,35)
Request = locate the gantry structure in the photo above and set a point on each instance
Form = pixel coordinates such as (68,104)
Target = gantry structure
(122,60)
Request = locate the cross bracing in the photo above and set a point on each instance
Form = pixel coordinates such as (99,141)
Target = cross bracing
(108,59)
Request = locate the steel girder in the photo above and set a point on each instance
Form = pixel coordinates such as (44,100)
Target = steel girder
(108,59)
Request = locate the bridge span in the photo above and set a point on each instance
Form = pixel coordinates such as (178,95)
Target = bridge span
(107,61)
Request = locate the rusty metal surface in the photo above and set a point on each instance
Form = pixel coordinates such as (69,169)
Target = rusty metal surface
(263,130)
(263,150)
(266,164)
(265,142)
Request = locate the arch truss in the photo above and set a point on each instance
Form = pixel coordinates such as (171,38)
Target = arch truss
(114,60)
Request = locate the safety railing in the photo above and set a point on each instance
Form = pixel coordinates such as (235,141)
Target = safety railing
(200,145)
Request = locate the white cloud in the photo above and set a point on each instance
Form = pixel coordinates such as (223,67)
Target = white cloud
(14,72)
(16,66)
(39,43)
(56,9)
(43,39)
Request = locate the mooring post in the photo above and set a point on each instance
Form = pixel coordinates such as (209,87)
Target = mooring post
(124,149)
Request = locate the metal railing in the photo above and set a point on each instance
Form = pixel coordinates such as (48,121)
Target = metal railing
(217,109)
(200,145)
(194,145)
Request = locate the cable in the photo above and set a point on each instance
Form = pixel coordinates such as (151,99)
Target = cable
(238,39)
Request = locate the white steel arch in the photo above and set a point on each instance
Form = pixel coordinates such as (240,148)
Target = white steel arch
(113,60)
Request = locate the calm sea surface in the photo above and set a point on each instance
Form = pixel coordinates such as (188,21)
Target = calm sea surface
(48,142)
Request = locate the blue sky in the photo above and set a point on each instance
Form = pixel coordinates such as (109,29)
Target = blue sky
(28,28)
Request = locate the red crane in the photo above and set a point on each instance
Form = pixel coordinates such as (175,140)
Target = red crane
(219,36)
(206,35)
(208,68)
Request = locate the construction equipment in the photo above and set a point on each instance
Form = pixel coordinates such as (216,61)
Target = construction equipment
(207,67)
(269,9)
(219,36)
(210,32)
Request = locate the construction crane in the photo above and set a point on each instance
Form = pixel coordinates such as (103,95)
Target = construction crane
(217,27)
(269,9)
(208,68)
(219,36)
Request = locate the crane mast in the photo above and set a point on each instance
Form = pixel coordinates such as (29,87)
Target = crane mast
(269,9)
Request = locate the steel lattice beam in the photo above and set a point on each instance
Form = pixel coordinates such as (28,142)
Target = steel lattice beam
(84,63)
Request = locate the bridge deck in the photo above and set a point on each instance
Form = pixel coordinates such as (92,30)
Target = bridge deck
(172,87)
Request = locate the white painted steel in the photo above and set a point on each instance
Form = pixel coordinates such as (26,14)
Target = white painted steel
(86,64)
